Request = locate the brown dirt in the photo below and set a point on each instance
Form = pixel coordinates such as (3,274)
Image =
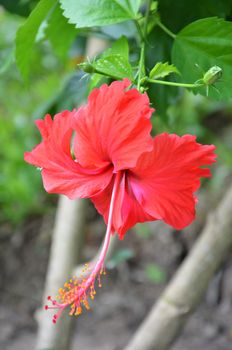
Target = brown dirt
(123,301)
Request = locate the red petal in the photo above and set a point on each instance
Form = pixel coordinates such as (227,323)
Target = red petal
(166,178)
(113,127)
(127,210)
(60,173)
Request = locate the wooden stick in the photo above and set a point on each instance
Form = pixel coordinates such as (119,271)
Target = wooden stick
(65,253)
(184,293)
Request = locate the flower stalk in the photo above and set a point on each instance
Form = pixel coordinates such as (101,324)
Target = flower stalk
(171,83)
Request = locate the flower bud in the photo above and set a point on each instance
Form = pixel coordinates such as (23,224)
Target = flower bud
(212,75)
(86,67)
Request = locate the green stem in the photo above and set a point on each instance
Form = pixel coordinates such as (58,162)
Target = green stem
(147,16)
(143,36)
(171,83)
(139,30)
(165,29)
(141,65)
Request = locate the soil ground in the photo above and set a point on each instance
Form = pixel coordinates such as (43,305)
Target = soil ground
(125,298)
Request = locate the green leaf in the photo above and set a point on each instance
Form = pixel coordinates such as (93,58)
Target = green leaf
(192,10)
(19,7)
(133,4)
(26,35)
(90,13)
(115,31)
(96,80)
(161,70)
(205,43)
(60,33)
(115,66)
(119,47)
(155,273)
(114,62)
(161,96)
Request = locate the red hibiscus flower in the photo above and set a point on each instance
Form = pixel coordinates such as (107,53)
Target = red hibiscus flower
(114,161)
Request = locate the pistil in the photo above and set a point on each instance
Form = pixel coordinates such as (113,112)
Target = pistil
(77,291)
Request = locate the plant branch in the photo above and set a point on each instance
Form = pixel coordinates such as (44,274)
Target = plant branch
(66,249)
(184,293)
(171,83)
(143,36)
(147,17)
(165,29)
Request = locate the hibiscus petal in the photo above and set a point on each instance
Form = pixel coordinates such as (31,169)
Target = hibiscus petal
(166,178)
(60,172)
(127,210)
(113,127)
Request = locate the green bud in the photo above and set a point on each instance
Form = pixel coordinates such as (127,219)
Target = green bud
(86,67)
(212,75)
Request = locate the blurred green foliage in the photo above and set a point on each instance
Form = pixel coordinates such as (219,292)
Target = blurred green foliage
(120,257)
(21,191)
(155,273)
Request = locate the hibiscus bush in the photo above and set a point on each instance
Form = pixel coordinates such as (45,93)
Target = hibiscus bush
(124,123)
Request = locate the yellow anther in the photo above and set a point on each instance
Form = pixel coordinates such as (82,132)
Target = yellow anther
(78,311)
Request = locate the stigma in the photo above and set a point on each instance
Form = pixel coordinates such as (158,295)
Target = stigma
(77,292)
